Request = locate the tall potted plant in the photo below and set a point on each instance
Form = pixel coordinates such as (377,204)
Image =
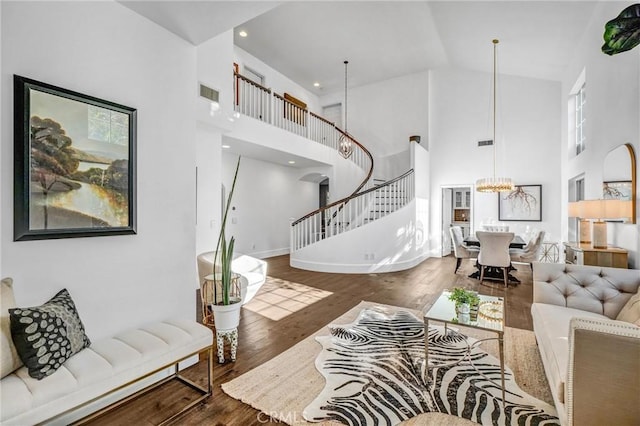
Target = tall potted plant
(227,296)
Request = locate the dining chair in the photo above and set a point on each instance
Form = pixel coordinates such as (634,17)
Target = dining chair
(460,249)
(494,252)
(495,228)
(531,252)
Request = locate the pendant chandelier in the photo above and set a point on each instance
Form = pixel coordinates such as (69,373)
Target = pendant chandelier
(345,147)
(493,183)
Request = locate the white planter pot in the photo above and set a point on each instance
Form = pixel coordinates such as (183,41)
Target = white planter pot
(226,317)
(463,308)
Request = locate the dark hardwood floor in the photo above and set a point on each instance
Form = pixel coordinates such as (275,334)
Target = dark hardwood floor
(262,338)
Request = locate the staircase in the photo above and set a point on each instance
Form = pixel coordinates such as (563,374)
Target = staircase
(372,200)
(389,198)
(352,212)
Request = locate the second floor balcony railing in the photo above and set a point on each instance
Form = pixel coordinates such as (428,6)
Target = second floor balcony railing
(261,103)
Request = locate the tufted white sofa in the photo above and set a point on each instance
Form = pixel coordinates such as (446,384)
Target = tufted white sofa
(591,360)
(132,357)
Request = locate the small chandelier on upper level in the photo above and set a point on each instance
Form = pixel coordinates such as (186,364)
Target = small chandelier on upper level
(493,183)
(345,147)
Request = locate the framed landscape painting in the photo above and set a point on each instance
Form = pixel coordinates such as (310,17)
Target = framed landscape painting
(524,203)
(74,164)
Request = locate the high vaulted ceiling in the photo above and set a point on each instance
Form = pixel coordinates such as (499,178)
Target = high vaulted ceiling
(308,41)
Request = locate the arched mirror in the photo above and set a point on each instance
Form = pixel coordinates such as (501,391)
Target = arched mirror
(619,180)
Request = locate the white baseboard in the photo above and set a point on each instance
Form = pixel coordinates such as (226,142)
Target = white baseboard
(269,253)
(361,268)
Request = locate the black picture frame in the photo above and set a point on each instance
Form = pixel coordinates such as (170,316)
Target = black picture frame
(523,204)
(74,164)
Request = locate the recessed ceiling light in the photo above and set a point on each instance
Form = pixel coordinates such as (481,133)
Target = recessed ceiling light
(316,84)
(226,146)
(242,33)
(292,162)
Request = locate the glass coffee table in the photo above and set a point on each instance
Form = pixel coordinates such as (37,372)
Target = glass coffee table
(489,315)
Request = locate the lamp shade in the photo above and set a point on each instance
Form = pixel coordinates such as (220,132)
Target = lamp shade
(593,209)
(574,209)
(617,209)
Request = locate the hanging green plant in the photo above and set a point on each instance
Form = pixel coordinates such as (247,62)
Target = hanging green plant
(622,33)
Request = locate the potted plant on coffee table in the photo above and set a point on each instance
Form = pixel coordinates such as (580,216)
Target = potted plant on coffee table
(463,299)
(222,289)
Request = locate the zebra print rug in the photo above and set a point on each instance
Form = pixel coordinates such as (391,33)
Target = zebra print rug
(374,371)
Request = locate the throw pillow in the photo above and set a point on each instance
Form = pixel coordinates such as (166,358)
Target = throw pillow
(631,311)
(46,336)
(9,359)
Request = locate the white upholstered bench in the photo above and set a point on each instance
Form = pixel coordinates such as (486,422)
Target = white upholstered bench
(104,367)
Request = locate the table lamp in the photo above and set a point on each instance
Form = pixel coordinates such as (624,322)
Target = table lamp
(596,209)
(584,225)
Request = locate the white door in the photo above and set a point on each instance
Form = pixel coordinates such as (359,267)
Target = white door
(447,199)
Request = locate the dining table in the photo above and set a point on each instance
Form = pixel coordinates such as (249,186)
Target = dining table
(495,273)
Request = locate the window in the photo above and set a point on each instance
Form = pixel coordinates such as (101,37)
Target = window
(580,101)
(576,193)
(107,126)
(253,75)
(580,189)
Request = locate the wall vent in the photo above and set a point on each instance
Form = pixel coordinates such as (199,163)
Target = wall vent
(488,142)
(209,93)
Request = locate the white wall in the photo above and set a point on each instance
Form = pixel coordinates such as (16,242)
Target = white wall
(421,164)
(274,80)
(209,166)
(1,133)
(612,111)
(383,115)
(528,146)
(106,50)
(215,70)
(393,165)
(266,198)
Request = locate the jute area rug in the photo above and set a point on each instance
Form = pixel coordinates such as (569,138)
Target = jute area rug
(282,387)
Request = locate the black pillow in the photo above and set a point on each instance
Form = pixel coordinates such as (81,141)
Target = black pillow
(46,336)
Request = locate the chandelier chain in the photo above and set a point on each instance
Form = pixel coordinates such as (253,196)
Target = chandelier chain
(494,184)
(345,96)
(495,45)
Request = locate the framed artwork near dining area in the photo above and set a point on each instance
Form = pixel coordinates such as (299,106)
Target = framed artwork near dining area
(524,203)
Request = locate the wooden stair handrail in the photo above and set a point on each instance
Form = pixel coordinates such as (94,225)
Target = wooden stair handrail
(322,118)
(394,180)
(372,189)
(344,200)
(365,150)
(355,195)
